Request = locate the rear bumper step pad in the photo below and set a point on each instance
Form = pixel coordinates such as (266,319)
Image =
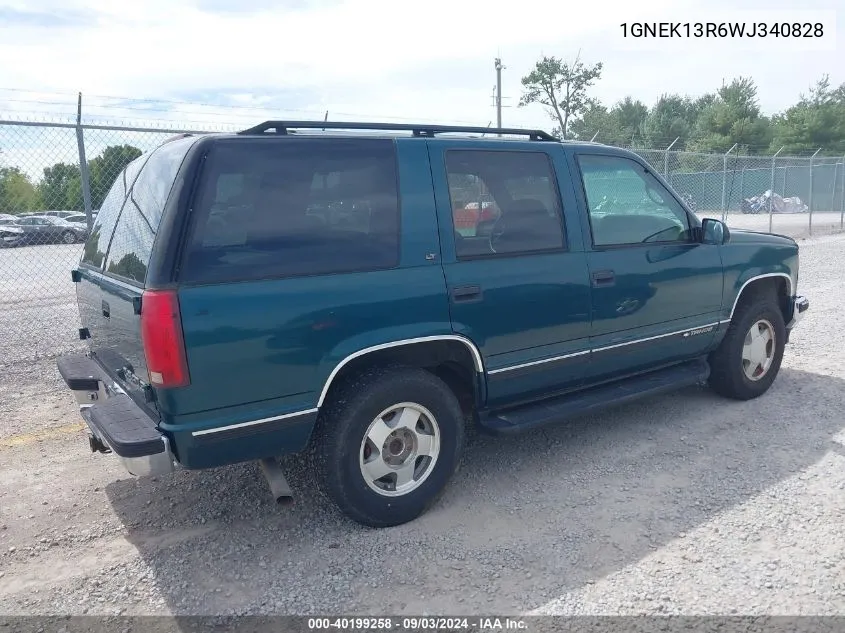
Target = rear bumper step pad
(125,427)
(80,373)
(117,420)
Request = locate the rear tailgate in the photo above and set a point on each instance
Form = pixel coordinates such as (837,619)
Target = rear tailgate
(113,270)
(108,310)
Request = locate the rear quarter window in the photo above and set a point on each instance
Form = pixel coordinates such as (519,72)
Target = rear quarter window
(132,244)
(294,207)
(97,244)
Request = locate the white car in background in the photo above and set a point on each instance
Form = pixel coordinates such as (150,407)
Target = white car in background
(10,233)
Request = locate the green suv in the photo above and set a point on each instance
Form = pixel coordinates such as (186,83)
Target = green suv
(302,287)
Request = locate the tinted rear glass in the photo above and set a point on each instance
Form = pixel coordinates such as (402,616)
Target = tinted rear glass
(97,244)
(131,246)
(291,207)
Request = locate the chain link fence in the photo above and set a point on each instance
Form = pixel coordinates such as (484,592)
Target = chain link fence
(53,179)
(796,196)
(54,176)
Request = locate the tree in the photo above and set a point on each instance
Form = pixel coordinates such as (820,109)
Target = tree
(618,126)
(816,121)
(106,167)
(561,87)
(670,118)
(60,188)
(594,118)
(17,193)
(629,116)
(732,117)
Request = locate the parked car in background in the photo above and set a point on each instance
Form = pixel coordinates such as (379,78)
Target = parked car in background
(39,229)
(80,221)
(59,214)
(10,233)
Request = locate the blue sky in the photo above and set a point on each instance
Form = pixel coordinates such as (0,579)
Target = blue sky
(238,61)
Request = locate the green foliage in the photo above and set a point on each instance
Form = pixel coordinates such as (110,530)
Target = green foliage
(17,193)
(61,187)
(711,123)
(816,121)
(732,117)
(561,88)
(620,125)
(673,116)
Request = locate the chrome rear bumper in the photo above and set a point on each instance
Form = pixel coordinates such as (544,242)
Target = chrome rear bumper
(160,463)
(116,424)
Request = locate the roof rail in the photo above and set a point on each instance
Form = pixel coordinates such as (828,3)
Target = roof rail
(282,127)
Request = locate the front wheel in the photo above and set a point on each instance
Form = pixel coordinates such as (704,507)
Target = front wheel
(747,361)
(387,443)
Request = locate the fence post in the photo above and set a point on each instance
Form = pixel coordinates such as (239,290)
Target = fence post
(666,159)
(835,182)
(772,188)
(842,201)
(725,182)
(810,200)
(83,166)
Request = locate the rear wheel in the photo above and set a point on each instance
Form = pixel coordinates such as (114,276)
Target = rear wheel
(748,360)
(387,443)
(68,237)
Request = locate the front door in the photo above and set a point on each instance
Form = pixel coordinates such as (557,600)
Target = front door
(514,263)
(656,291)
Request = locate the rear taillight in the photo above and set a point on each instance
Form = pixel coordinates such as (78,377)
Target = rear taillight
(161,333)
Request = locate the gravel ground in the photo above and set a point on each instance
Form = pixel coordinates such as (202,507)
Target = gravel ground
(682,504)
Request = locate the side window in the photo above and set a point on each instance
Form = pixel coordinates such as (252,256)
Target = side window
(628,205)
(132,244)
(293,207)
(503,203)
(97,244)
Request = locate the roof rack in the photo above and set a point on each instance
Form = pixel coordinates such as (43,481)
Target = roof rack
(283,127)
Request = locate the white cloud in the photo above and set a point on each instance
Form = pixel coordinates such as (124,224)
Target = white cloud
(380,58)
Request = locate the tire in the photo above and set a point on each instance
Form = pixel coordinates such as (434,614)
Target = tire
(342,451)
(68,237)
(731,363)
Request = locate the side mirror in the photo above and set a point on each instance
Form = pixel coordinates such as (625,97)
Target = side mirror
(714,231)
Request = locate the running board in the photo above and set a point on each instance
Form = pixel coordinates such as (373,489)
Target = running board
(537,414)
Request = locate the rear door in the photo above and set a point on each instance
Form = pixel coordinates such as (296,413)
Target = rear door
(520,289)
(115,258)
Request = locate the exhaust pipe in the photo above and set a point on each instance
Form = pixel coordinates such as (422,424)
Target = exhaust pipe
(278,484)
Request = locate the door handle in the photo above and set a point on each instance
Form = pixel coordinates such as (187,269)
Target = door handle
(106,310)
(466,294)
(603,278)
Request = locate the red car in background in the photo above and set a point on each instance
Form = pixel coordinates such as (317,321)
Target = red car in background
(470,222)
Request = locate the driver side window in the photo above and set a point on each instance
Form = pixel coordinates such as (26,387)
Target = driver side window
(628,205)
